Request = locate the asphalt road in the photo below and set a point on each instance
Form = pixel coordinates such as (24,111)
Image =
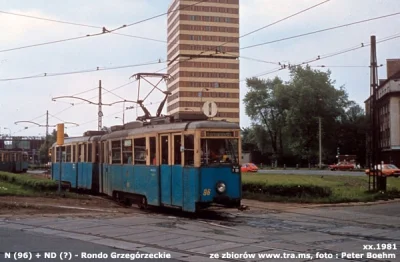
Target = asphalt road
(12,240)
(312,172)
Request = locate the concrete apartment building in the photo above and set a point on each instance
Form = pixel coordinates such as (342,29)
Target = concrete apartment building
(203,51)
(388,108)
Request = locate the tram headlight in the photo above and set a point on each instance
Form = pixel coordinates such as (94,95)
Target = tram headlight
(221,187)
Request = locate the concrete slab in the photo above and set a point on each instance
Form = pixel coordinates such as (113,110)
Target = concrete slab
(15,226)
(45,231)
(117,244)
(394,235)
(113,231)
(160,238)
(329,241)
(194,228)
(80,236)
(139,236)
(177,241)
(283,246)
(41,221)
(196,244)
(305,237)
(215,236)
(133,221)
(215,248)
(242,249)
(76,226)
(151,228)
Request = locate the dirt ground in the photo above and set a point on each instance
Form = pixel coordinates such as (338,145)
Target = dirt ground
(85,206)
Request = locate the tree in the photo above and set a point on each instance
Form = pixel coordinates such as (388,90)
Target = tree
(311,95)
(44,148)
(351,132)
(285,117)
(267,110)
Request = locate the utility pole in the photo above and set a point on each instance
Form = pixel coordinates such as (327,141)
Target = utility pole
(320,142)
(373,113)
(100,112)
(123,115)
(47,127)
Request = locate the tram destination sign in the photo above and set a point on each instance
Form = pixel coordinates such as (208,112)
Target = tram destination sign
(215,133)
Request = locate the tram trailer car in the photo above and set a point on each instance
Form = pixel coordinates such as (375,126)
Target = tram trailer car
(13,161)
(184,165)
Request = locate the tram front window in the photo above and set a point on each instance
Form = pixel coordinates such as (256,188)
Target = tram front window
(219,151)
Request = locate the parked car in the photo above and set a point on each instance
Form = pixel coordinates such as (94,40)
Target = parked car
(387,170)
(249,167)
(342,166)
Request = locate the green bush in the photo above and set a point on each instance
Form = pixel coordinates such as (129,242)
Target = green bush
(29,182)
(293,191)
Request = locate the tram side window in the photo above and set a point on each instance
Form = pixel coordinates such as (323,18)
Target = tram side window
(106,158)
(153,151)
(189,150)
(97,150)
(81,153)
(1,157)
(74,153)
(116,152)
(68,154)
(58,154)
(90,152)
(177,150)
(164,148)
(127,151)
(140,151)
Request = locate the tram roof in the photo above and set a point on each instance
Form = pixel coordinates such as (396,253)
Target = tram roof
(177,126)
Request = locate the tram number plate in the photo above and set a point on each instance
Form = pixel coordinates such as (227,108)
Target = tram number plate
(206,192)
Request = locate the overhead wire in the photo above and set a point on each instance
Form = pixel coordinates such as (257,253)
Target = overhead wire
(81,71)
(320,57)
(266,26)
(104,30)
(281,20)
(79,24)
(321,30)
(108,91)
(91,121)
(159,61)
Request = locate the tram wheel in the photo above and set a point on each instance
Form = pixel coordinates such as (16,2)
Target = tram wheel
(143,203)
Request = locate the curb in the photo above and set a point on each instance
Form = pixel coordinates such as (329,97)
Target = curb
(302,205)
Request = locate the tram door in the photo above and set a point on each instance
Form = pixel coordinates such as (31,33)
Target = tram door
(165,169)
(171,173)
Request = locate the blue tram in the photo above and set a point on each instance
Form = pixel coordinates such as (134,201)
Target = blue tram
(13,161)
(185,165)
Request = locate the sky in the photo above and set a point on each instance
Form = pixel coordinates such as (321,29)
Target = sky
(28,99)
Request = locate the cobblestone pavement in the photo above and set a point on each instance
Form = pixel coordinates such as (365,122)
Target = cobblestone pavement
(359,233)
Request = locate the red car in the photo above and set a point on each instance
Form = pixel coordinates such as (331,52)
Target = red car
(249,167)
(342,166)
